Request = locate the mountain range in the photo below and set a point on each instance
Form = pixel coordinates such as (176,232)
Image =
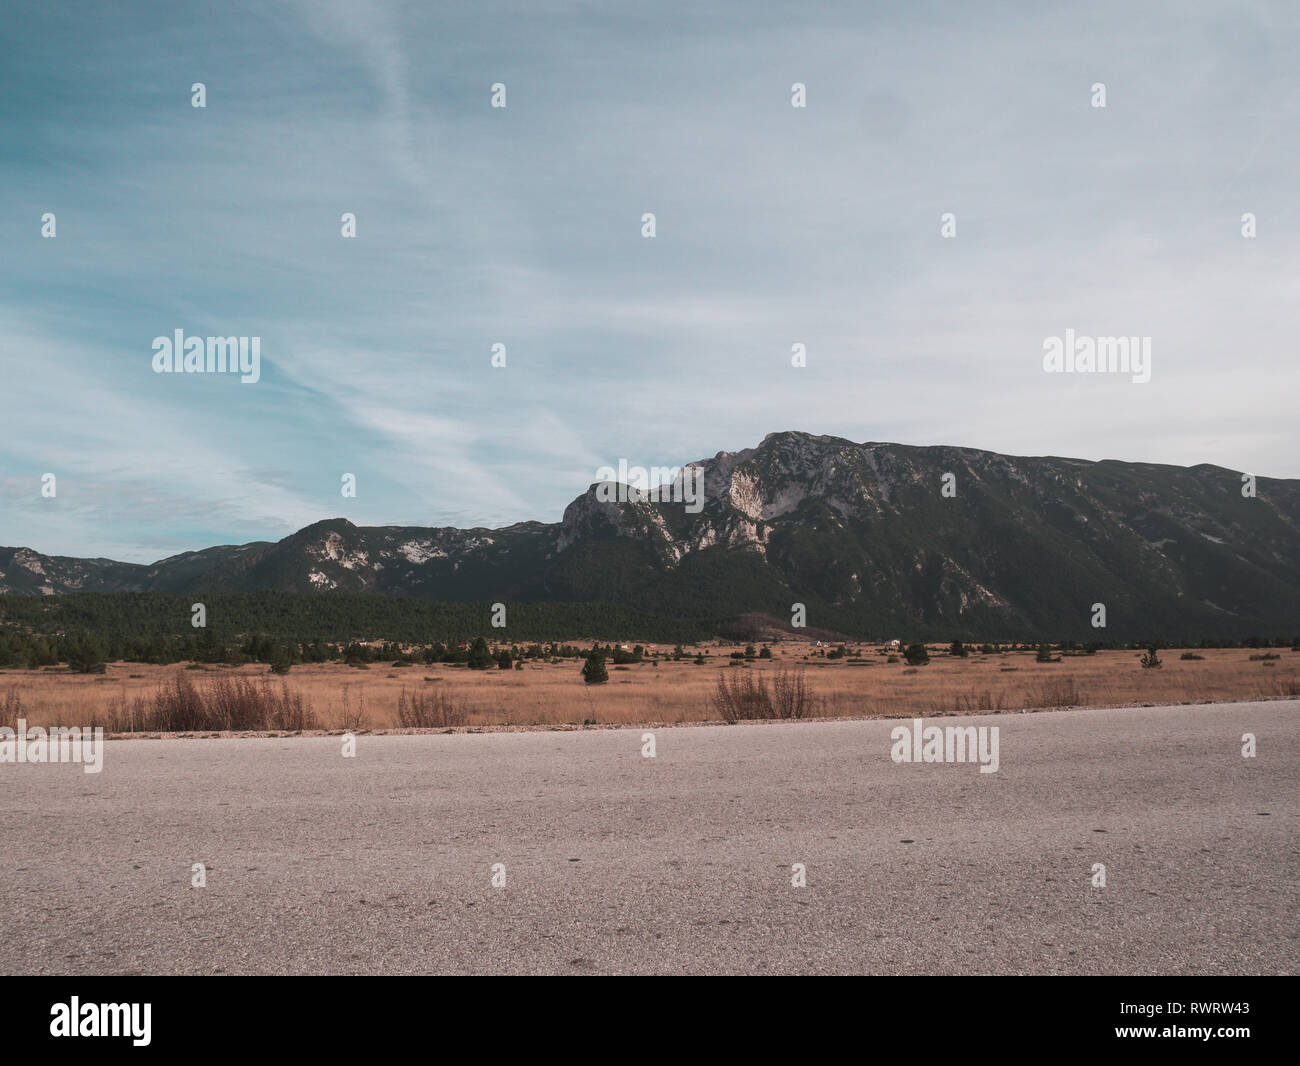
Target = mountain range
(874,540)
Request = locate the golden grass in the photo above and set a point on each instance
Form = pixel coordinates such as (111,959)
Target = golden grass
(553,694)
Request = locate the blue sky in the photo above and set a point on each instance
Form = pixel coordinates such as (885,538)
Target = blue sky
(522,226)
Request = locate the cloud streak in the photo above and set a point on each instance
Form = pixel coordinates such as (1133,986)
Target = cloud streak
(521,226)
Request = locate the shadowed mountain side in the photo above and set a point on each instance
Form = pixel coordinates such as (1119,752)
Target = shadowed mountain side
(862,534)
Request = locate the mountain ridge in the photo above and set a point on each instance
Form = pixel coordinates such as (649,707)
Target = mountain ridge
(870,538)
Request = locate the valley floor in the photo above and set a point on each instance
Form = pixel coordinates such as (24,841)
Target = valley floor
(335,697)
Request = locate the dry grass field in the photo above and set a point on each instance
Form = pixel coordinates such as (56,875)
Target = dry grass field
(335,697)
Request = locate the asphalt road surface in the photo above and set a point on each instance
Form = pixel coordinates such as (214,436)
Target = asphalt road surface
(618,863)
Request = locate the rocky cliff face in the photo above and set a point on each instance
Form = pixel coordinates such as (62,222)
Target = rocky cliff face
(871,538)
(23,571)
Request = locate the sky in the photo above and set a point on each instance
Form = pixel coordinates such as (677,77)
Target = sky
(522,225)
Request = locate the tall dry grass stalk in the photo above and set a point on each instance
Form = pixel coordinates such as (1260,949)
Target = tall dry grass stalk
(1054,692)
(429,710)
(227,703)
(353,719)
(743,696)
(12,708)
(977,701)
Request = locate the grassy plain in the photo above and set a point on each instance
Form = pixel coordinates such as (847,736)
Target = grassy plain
(331,696)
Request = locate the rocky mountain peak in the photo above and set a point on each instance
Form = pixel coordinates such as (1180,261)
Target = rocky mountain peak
(863,534)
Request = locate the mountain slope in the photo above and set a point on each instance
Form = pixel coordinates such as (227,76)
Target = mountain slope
(861,534)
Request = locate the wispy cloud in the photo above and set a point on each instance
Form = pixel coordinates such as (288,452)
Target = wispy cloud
(522,227)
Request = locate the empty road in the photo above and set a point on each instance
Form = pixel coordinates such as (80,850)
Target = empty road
(680,863)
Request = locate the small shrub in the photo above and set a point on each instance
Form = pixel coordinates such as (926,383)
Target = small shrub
(741,697)
(280,658)
(791,694)
(235,704)
(480,656)
(916,654)
(593,670)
